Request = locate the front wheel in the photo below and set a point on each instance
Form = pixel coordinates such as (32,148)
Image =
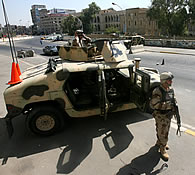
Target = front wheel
(45,120)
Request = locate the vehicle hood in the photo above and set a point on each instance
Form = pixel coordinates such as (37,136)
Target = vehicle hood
(34,71)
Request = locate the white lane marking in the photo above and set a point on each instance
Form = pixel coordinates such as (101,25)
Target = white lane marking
(29,64)
(186,126)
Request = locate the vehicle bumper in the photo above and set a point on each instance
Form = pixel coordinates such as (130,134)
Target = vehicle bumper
(12,113)
(9,126)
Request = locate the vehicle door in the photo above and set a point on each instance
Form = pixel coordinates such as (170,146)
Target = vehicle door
(140,88)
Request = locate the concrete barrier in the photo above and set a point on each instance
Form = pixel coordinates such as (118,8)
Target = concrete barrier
(190,44)
(136,49)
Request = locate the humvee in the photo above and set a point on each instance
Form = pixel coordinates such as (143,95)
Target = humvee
(82,82)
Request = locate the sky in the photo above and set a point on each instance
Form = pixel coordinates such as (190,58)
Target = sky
(18,11)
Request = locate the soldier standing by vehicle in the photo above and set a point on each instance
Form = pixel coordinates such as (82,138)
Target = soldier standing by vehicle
(163,102)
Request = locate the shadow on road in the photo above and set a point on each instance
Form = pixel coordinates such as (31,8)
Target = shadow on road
(76,140)
(144,164)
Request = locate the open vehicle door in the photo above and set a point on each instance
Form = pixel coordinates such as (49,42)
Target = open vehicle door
(140,90)
(104,103)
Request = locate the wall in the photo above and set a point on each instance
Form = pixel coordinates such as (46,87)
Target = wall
(190,44)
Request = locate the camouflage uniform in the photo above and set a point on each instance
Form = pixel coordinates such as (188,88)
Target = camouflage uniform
(162,112)
(162,103)
(81,39)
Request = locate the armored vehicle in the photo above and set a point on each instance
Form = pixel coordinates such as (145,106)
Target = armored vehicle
(82,82)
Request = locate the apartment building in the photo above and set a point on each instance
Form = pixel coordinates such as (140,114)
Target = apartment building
(50,23)
(35,15)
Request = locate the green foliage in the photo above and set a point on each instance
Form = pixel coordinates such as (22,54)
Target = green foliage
(112,30)
(191,4)
(171,16)
(87,16)
(71,24)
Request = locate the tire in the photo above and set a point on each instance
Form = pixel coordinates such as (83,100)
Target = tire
(51,53)
(45,120)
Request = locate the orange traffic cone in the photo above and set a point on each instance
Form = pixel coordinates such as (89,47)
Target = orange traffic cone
(14,75)
(18,69)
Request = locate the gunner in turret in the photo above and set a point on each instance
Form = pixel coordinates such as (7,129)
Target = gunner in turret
(81,39)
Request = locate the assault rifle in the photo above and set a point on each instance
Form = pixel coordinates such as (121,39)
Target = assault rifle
(178,118)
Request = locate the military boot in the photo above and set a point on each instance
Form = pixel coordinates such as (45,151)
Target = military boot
(164,154)
(158,145)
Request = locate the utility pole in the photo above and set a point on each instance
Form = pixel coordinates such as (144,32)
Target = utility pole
(124,26)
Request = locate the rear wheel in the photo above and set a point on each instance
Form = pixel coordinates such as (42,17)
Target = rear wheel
(45,120)
(51,53)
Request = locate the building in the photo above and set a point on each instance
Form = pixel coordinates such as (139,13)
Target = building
(137,22)
(61,11)
(50,20)
(35,14)
(106,19)
(50,23)
(130,21)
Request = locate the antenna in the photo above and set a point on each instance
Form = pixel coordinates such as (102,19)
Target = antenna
(15,66)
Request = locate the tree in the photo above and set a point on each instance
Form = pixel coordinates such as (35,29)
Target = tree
(87,16)
(191,5)
(71,24)
(112,30)
(171,16)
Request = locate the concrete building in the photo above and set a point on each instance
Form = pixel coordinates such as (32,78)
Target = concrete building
(61,11)
(50,20)
(138,22)
(50,23)
(130,21)
(35,14)
(106,19)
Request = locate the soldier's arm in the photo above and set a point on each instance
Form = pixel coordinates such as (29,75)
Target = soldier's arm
(155,102)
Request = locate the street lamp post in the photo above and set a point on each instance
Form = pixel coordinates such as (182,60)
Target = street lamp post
(124,26)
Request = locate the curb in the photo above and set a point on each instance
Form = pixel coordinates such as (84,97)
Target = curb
(169,52)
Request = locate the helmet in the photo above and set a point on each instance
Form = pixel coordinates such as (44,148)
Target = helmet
(166,76)
(79,32)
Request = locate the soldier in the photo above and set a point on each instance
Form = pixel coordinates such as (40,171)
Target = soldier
(162,102)
(81,39)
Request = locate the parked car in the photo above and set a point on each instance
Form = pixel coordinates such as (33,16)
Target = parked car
(50,50)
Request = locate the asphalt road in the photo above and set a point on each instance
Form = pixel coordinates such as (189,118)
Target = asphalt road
(121,145)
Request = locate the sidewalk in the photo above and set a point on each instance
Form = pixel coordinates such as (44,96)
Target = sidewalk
(170,50)
(15,38)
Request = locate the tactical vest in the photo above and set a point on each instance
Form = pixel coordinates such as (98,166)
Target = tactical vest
(167,96)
